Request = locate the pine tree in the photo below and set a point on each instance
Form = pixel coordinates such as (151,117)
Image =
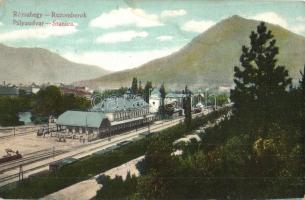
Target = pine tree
(188,107)
(163,94)
(259,83)
(146,92)
(140,89)
(302,82)
(302,121)
(134,86)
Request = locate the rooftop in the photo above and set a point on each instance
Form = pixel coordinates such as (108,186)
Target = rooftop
(8,90)
(81,118)
(115,104)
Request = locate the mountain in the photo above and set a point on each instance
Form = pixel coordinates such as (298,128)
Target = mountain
(210,57)
(27,65)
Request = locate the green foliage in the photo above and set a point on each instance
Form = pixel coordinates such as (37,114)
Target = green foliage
(117,188)
(222,99)
(50,101)
(37,187)
(162,91)
(140,89)
(258,152)
(301,94)
(162,110)
(10,106)
(146,92)
(114,92)
(158,144)
(260,83)
(134,86)
(187,107)
(85,168)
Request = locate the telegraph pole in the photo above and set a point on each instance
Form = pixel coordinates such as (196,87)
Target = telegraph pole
(20,173)
(53,151)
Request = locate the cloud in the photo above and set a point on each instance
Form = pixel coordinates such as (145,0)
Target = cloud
(164,38)
(124,17)
(274,18)
(298,28)
(37,33)
(124,36)
(271,17)
(116,60)
(197,26)
(173,13)
(1,24)
(300,18)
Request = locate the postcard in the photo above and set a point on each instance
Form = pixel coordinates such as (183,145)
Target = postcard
(142,99)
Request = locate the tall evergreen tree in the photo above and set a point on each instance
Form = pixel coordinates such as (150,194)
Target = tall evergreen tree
(302,121)
(134,85)
(163,94)
(140,89)
(146,92)
(259,83)
(188,107)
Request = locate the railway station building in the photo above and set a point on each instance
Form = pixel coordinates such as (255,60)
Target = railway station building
(111,116)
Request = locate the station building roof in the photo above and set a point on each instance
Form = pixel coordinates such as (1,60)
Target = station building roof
(175,95)
(81,119)
(116,104)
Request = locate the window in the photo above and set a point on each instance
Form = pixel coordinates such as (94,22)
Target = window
(154,103)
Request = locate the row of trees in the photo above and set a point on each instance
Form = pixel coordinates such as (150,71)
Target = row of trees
(257,152)
(48,101)
(11,106)
(137,89)
(51,101)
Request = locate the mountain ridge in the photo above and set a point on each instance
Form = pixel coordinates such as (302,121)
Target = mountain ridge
(209,58)
(39,65)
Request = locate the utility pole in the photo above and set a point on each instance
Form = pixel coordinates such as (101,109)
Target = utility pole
(53,152)
(86,130)
(206,97)
(20,173)
(215,101)
(148,127)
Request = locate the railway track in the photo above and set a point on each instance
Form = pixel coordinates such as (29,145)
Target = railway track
(29,159)
(44,154)
(6,133)
(33,157)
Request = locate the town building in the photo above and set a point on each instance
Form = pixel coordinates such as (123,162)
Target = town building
(30,89)
(8,90)
(154,100)
(225,88)
(175,98)
(76,90)
(172,99)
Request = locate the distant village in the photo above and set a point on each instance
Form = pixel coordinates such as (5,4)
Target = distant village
(8,89)
(115,113)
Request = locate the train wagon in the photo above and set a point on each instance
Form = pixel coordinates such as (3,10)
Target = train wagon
(55,166)
(10,155)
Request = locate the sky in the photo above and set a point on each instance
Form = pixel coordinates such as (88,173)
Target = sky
(118,35)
